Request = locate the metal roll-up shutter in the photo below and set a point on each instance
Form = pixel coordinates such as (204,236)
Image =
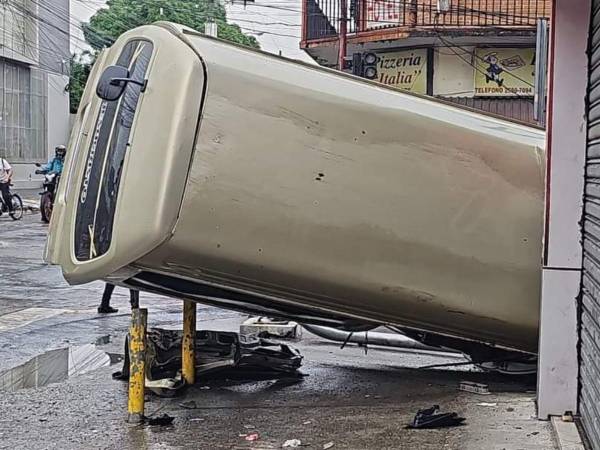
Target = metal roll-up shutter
(589,373)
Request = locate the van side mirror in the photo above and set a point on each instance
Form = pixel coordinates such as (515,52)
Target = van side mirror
(113,82)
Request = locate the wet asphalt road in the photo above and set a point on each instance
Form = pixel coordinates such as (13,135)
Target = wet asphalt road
(354,400)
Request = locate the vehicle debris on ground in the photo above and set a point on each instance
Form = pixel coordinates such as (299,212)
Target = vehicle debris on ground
(218,353)
(432,418)
(265,327)
(474,388)
(162,421)
(252,436)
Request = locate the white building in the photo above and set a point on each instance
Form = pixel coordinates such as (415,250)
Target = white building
(34,79)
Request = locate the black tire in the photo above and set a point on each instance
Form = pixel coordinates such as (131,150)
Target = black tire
(46,207)
(17,204)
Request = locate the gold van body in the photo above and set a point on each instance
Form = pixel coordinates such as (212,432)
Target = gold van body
(266,185)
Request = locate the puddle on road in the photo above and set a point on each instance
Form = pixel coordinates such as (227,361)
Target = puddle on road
(55,366)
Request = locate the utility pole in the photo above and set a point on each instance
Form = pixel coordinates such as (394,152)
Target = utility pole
(210,29)
(541,72)
(343,34)
(210,26)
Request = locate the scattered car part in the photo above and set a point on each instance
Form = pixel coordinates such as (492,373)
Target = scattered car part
(430,418)
(370,338)
(252,437)
(266,327)
(219,353)
(474,388)
(524,367)
(163,420)
(567,416)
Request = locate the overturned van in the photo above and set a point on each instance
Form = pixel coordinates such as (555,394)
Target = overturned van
(220,174)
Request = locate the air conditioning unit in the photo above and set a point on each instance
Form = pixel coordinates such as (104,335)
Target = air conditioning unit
(443,6)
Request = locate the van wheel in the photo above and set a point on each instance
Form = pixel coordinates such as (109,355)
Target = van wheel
(46,207)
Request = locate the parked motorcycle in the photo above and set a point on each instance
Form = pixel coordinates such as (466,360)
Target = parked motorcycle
(47,196)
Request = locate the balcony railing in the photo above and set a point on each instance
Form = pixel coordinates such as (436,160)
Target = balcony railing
(322,17)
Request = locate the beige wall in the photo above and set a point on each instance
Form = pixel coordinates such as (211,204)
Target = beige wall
(453,76)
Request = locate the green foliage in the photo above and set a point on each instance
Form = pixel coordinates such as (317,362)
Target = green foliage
(80,70)
(122,15)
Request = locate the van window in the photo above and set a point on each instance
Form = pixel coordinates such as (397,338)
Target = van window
(99,189)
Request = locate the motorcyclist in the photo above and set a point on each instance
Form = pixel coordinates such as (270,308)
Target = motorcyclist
(55,165)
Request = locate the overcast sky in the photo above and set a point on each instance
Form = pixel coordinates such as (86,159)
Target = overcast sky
(274,23)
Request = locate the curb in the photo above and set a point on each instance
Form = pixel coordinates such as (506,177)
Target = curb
(566,434)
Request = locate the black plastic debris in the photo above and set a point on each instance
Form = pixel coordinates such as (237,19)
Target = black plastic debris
(430,418)
(161,421)
(219,355)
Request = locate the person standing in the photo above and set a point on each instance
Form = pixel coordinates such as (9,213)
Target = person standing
(6,173)
(105,307)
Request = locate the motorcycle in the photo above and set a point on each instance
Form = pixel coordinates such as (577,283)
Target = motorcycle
(47,196)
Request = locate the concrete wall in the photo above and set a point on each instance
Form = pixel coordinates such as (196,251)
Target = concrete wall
(566,148)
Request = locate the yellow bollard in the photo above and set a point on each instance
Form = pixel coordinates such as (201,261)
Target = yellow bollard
(137,365)
(188,345)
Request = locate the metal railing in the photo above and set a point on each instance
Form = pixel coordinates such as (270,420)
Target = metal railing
(322,17)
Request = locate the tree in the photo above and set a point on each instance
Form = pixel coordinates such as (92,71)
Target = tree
(122,15)
(80,70)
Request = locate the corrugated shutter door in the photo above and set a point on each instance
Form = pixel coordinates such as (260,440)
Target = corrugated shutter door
(589,397)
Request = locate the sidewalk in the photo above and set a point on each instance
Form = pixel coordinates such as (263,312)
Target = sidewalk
(354,400)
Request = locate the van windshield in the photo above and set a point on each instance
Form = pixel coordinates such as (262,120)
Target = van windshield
(99,189)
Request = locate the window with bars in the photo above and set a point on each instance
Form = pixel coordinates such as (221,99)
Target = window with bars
(19,30)
(23,100)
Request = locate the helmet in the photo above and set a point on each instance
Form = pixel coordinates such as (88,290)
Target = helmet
(60,151)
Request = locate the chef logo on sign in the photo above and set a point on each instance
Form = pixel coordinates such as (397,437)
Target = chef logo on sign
(493,70)
(504,72)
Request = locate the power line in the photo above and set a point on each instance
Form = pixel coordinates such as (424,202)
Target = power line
(27,13)
(451,46)
(32,47)
(409,6)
